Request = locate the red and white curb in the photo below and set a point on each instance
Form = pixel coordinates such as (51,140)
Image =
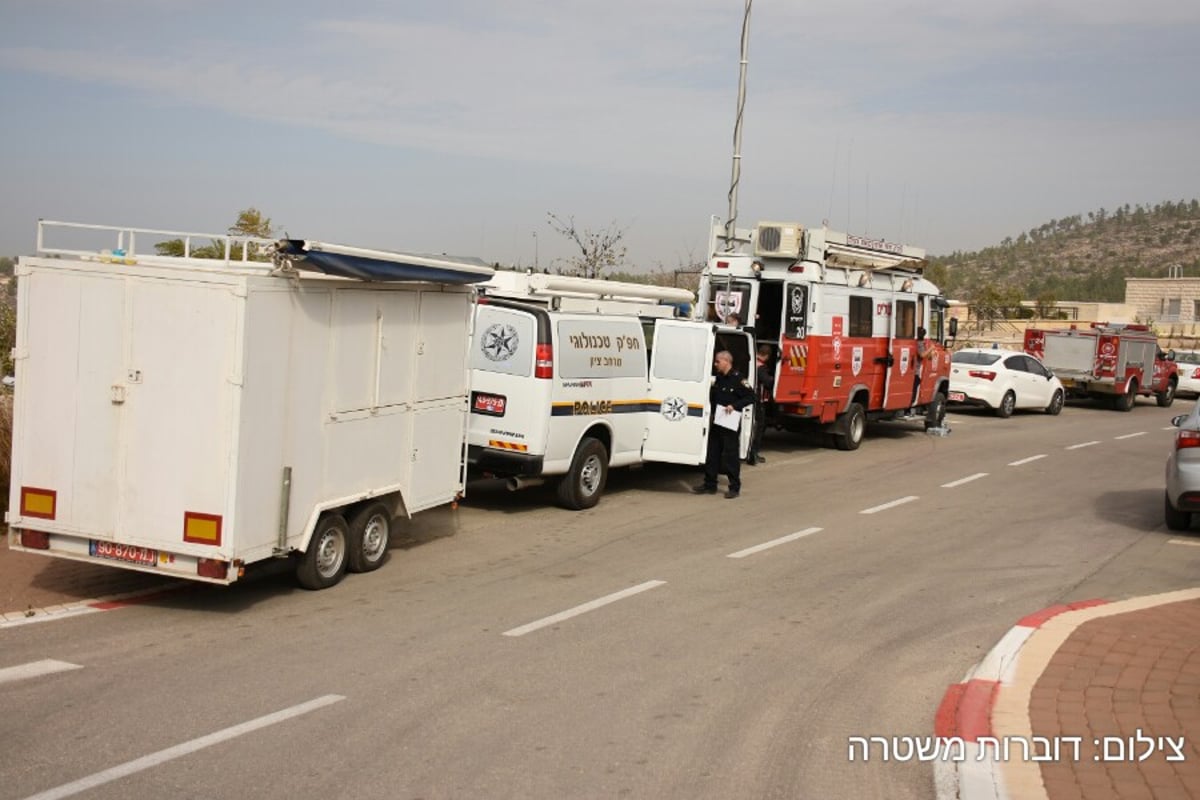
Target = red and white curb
(13,619)
(972,771)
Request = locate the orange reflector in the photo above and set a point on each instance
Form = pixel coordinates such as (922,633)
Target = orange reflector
(40,503)
(502,445)
(201,528)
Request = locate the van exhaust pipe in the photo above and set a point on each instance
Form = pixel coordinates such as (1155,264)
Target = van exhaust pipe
(516,484)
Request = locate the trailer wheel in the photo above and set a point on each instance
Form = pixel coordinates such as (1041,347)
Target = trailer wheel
(1007,404)
(582,486)
(935,413)
(850,426)
(1056,403)
(324,563)
(1124,402)
(1167,396)
(370,532)
(1176,520)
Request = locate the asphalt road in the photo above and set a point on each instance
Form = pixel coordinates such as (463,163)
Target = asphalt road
(651,647)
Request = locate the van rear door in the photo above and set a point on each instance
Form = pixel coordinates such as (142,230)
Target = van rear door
(680,376)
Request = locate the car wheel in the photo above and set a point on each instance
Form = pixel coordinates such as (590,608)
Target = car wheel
(1176,520)
(1056,403)
(850,427)
(582,486)
(1007,404)
(1125,402)
(1167,396)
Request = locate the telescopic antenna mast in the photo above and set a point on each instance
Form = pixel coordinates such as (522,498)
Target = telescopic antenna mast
(731,223)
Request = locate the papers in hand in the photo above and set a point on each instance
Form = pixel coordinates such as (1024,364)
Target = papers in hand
(728,419)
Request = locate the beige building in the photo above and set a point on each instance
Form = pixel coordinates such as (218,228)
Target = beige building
(1165,301)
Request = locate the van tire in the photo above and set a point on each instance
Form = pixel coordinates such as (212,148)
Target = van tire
(850,426)
(1125,402)
(583,484)
(370,533)
(324,562)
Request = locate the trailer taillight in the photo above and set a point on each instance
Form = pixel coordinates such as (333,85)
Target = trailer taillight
(40,503)
(35,540)
(987,375)
(543,365)
(1187,439)
(212,568)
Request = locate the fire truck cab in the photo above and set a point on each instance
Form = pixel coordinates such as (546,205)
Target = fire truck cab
(840,314)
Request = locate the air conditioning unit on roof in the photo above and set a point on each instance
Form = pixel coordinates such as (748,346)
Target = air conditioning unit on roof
(778,239)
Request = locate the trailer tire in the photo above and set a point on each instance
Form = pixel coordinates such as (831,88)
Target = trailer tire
(324,562)
(1008,404)
(370,533)
(1167,396)
(850,427)
(1056,403)
(1125,402)
(1176,520)
(583,484)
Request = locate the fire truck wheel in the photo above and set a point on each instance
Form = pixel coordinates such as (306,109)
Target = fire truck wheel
(1124,402)
(1007,404)
(1167,396)
(582,486)
(1056,403)
(370,532)
(1176,520)
(935,412)
(324,563)
(851,426)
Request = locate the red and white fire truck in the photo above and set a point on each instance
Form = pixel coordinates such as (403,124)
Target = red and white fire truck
(1112,363)
(840,314)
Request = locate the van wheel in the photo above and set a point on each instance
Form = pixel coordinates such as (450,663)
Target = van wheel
(1124,402)
(850,427)
(582,486)
(1007,404)
(1056,403)
(324,562)
(1167,396)
(1176,520)
(370,533)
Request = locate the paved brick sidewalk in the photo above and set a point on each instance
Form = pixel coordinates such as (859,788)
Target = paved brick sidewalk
(31,584)
(1113,678)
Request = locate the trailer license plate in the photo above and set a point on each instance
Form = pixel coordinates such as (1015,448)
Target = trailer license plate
(957,397)
(124,552)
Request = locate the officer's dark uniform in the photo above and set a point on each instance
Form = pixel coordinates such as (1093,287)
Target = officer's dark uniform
(727,390)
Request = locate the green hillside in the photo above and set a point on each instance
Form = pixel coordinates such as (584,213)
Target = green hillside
(1084,258)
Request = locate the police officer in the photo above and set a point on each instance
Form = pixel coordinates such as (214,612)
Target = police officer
(764,384)
(730,392)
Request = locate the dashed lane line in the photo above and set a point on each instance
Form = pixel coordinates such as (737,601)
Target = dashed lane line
(35,669)
(886,506)
(1129,435)
(1026,460)
(758,548)
(961,481)
(1081,445)
(1184,542)
(584,608)
(186,748)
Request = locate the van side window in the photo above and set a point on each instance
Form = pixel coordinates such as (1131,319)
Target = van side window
(504,342)
(862,316)
(906,319)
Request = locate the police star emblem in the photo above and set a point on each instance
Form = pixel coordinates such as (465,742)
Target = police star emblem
(674,409)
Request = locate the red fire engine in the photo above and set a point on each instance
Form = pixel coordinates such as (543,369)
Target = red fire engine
(1112,363)
(841,315)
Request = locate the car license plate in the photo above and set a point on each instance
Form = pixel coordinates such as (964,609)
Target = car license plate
(124,552)
(957,397)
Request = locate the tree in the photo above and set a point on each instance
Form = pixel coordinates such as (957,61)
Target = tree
(6,265)
(1045,305)
(250,223)
(598,250)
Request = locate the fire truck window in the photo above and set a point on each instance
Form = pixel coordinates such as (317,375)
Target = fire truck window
(768,310)
(728,298)
(906,319)
(862,312)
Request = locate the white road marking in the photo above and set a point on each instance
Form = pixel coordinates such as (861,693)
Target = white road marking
(162,756)
(1130,435)
(967,479)
(1026,460)
(758,548)
(1169,428)
(1081,444)
(1184,542)
(35,669)
(583,609)
(886,506)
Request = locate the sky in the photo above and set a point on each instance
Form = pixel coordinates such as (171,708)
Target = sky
(456,126)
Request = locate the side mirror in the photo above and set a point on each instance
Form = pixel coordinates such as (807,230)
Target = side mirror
(1170,355)
(1177,421)
(953,327)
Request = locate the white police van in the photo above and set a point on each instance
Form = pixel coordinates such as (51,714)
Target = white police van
(571,376)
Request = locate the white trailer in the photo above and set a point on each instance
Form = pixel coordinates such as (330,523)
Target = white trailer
(190,417)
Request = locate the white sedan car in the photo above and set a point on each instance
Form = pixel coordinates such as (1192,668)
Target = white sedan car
(1188,362)
(1003,380)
